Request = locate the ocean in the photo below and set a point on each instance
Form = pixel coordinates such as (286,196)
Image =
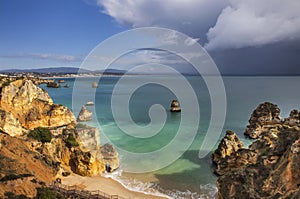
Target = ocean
(181,173)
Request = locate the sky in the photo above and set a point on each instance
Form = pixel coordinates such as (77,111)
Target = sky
(257,37)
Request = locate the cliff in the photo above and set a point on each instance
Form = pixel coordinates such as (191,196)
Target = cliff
(39,140)
(269,167)
(33,107)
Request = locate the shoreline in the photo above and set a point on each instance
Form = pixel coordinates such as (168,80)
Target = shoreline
(106,185)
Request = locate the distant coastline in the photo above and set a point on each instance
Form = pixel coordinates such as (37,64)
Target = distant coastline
(73,72)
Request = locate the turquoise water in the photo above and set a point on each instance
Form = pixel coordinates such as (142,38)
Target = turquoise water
(188,176)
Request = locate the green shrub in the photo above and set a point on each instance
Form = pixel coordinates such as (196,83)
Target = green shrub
(41,134)
(71,141)
(11,195)
(14,177)
(47,193)
(80,125)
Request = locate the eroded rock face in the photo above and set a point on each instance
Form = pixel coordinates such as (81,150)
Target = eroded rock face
(84,115)
(266,116)
(228,145)
(88,138)
(293,119)
(23,107)
(225,155)
(9,124)
(269,168)
(86,159)
(275,174)
(93,158)
(33,107)
(110,156)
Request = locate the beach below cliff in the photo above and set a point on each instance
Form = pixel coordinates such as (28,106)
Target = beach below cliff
(106,185)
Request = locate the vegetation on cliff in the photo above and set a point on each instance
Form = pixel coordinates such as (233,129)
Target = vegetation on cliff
(41,134)
(39,141)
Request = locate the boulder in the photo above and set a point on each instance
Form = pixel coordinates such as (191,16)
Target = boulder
(265,117)
(175,106)
(84,115)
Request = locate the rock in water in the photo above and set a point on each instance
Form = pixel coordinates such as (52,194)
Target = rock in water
(84,115)
(175,106)
(94,85)
(53,85)
(266,116)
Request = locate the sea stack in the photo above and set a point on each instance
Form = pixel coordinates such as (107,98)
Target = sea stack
(175,106)
(94,85)
(53,85)
(84,115)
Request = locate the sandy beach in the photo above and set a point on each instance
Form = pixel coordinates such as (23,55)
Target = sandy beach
(106,185)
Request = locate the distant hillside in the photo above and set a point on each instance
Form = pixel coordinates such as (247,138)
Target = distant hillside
(111,71)
(58,70)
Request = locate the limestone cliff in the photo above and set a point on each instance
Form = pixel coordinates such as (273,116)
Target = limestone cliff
(9,124)
(33,107)
(266,116)
(269,168)
(30,162)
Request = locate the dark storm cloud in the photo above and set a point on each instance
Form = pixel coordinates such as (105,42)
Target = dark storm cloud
(243,37)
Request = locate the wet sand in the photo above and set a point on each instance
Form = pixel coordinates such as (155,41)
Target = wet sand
(106,185)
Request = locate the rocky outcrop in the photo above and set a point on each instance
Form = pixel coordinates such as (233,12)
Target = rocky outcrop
(269,168)
(94,85)
(228,145)
(96,157)
(53,85)
(84,115)
(266,116)
(230,154)
(87,159)
(110,156)
(88,137)
(175,106)
(9,124)
(293,119)
(29,163)
(33,107)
